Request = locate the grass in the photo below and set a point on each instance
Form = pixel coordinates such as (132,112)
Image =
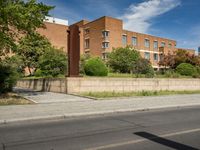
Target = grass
(130,94)
(13,99)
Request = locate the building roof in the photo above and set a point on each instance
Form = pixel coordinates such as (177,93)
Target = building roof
(56,20)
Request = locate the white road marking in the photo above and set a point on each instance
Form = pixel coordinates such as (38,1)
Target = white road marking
(142,140)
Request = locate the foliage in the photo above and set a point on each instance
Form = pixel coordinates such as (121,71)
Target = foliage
(186,69)
(15,61)
(171,74)
(19,17)
(83,59)
(143,66)
(31,47)
(180,56)
(52,63)
(121,59)
(95,67)
(8,77)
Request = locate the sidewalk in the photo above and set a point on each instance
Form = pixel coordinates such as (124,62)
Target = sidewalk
(83,106)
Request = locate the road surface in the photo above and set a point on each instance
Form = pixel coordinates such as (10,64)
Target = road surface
(163,129)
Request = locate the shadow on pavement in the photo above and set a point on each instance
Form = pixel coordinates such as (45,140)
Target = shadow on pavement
(163,141)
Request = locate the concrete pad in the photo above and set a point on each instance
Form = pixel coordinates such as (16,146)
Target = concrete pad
(48,97)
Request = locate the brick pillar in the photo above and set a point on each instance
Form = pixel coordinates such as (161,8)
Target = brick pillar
(73,51)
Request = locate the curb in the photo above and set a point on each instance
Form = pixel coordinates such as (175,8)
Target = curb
(100,113)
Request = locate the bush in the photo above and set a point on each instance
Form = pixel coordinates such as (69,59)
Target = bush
(52,63)
(186,69)
(121,59)
(38,73)
(83,59)
(143,66)
(8,77)
(171,74)
(198,69)
(95,67)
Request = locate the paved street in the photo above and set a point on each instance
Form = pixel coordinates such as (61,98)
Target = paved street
(177,128)
(63,106)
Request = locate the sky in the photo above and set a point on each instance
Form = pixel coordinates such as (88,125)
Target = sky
(174,19)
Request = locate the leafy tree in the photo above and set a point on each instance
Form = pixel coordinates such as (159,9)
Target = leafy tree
(15,62)
(95,67)
(121,59)
(143,66)
(53,62)
(180,56)
(31,47)
(186,69)
(167,61)
(19,17)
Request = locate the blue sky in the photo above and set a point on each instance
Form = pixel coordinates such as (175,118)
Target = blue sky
(175,19)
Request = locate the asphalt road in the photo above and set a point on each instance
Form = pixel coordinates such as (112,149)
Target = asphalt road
(148,130)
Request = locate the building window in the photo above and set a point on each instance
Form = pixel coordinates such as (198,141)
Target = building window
(170,45)
(162,44)
(155,44)
(104,56)
(161,57)
(87,31)
(105,45)
(147,55)
(146,43)
(87,43)
(155,56)
(105,33)
(124,39)
(134,41)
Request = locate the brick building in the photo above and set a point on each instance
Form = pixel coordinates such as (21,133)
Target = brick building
(100,36)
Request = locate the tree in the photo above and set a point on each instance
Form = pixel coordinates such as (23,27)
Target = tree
(17,18)
(180,56)
(143,66)
(121,59)
(53,62)
(31,47)
(167,61)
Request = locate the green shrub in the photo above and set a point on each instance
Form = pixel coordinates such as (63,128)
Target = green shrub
(83,59)
(38,73)
(186,69)
(198,69)
(95,67)
(171,74)
(8,77)
(143,66)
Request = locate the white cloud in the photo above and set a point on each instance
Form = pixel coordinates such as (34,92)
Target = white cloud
(138,16)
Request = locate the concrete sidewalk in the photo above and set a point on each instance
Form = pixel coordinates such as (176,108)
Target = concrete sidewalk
(63,109)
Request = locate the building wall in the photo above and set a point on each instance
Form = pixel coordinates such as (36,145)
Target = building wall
(141,44)
(95,36)
(56,33)
(115,29)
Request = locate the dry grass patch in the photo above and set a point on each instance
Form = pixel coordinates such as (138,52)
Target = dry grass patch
(13,99)
(132,94)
